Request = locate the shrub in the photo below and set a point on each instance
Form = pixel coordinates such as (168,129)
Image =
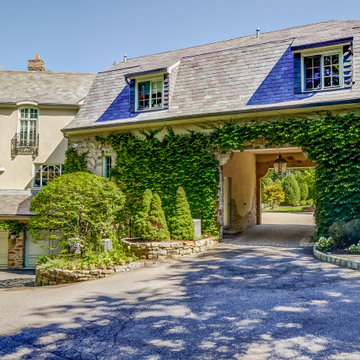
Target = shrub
(352,232)
(156,228)
(181,223)
(77,205)
(325,244)
(142,214)
(292,190)
(355,249)
(304,190)
(273,195)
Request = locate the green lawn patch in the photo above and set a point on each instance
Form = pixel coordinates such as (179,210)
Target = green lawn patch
(287,209)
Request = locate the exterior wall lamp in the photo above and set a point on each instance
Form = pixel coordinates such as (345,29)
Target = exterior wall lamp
(280,165)
(2,170)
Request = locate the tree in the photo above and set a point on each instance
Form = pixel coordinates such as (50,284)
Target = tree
(302,182)
(156,228)
(142,214)
(273,195)
(292,190)
(181,223)
(77,205)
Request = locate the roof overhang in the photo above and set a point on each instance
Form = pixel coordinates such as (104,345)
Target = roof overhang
(342,41)
(250,114)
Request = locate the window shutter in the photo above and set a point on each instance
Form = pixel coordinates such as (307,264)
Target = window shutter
(347,65)
(166,91)
(297,73)
(132,95)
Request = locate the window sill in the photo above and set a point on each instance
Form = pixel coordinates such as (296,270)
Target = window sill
(325,90)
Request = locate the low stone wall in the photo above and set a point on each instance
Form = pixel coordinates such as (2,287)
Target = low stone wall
(60,276)
(167,250)
(347,261)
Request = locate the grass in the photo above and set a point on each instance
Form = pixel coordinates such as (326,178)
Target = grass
(288,209)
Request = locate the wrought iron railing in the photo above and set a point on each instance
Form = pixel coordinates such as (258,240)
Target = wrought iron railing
(21,145)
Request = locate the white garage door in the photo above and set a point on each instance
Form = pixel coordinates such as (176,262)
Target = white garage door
(3,249)
(33,251)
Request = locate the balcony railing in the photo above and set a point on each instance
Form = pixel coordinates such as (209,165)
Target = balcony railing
(21,145)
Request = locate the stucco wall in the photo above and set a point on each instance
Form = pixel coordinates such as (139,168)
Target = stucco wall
(241,168)
(52,145)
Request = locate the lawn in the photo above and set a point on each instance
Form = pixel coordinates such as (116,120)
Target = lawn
(288,209)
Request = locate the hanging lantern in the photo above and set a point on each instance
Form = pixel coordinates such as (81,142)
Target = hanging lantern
(280,165)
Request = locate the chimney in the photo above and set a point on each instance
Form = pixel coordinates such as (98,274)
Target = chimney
(36,64)
(125,58)
(257,33)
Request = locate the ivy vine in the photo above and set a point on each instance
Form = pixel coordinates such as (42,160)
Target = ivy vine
(13,226)
(188,160)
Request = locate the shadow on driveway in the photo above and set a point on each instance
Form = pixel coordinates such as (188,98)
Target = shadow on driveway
(16,278)
(233,302)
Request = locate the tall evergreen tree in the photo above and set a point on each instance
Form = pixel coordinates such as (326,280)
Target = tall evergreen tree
(291,190)
(156,228)
(142,214)
(181,223)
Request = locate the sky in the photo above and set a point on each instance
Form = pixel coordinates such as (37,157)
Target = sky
(90,35)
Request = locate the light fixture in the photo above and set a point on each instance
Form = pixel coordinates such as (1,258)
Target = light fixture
(2,170)
(280,165)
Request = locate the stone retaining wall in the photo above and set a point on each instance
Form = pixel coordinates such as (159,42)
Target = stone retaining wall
(60,276)
(337,259)
(167,250)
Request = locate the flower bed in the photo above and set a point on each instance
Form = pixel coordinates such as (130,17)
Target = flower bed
(167,250)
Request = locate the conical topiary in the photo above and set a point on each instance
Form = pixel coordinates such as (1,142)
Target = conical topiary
(156,228)
(291,190)
(181,223)
(142,214)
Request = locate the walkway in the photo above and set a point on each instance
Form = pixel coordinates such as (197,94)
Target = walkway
(279,229)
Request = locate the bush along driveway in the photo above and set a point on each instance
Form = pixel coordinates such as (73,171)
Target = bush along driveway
(238,302)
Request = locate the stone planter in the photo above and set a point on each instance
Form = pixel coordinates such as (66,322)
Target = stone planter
(161,250)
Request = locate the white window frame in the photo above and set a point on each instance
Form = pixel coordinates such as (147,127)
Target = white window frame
(104,165)
(20,119)
(41,171)
(338,52)
(153,79)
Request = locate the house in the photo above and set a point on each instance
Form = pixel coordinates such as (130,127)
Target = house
(303,71)
(34,106)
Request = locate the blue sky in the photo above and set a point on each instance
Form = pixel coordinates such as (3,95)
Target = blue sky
(89,35)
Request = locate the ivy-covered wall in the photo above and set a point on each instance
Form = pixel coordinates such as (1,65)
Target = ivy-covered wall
(333,142)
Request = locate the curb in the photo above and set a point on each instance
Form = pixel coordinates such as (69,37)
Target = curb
(335,260)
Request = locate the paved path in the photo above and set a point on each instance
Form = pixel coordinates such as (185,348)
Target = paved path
(279,229)
(235,302)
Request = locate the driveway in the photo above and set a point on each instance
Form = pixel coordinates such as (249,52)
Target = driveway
(235,302)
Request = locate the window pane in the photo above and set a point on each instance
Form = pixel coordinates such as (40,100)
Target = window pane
(335,81)
(308,61)
(335,69)
(327,81)
(37,180)
(308,84)
(317,60)
(327,71)
(326,60)
(316,83)
(335,59)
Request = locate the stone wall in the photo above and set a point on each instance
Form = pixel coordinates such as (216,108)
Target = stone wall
(168,250)
(61,276)
(16,252)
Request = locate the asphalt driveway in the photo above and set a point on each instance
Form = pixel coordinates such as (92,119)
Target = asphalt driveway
(235,302)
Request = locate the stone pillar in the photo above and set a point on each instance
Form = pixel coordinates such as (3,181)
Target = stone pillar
(223,159)
(16,252)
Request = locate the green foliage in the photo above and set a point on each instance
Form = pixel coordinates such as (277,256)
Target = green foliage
(156,228)
(74,162)
(291,190)
(273,195)
(355,249)
(181,223)
(266,181)
(338,233)
(188,160)
(91,260)
(13,226)
(142,213)
(163,165)
(78,205)
(325,244)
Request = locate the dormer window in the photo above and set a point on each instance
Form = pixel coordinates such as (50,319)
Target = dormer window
(28,118)
(149,94)
(322,71)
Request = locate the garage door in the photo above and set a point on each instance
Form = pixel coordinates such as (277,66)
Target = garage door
(33,251)
(3,249)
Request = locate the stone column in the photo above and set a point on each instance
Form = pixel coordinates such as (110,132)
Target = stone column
(223,159)
(16,252)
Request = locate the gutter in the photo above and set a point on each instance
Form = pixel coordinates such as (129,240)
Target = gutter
(238,112)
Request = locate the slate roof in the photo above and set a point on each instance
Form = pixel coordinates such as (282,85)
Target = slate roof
(45,88)
(239,75)
(15,203)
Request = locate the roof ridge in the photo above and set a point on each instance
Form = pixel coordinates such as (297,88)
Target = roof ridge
(227,40)
(48,72)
